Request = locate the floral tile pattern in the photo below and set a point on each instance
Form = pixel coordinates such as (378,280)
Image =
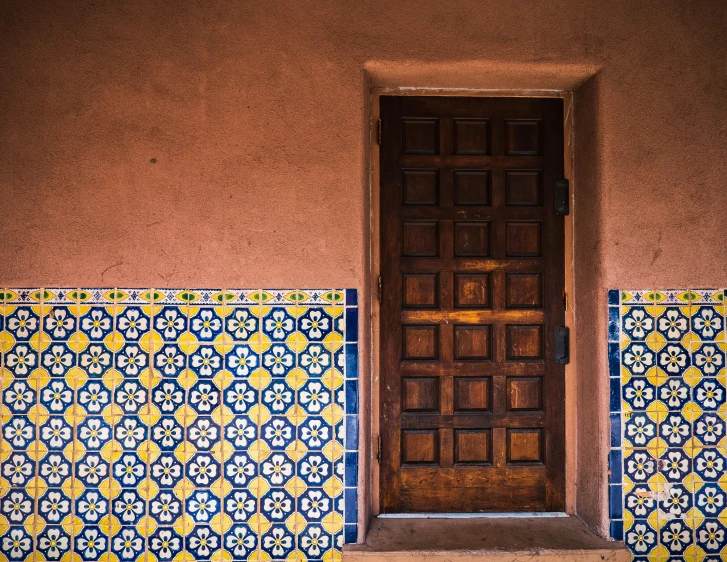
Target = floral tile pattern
(668,459)
(188,424)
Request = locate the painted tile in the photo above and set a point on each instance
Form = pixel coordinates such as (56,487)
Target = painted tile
(206,424)
(668,462)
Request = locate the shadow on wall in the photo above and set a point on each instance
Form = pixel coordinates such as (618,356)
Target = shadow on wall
(592,401)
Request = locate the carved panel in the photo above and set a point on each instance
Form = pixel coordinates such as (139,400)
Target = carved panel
(524,342)
(420,187)
(472,290)
(419,446)
(420,136)
(421,342)
(420,239)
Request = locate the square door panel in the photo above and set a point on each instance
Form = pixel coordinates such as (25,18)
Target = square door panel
(523,188)
(524,446)
(472,187)
(420,239)
(523,239)
(472,239)
(420,342)
(471,136)
(522,136)
(472,446)
(420,290)
(472,290)
(524,342)
(472,394)
(420,446)
(420,136)
(420,394)
(525,393)
(524,290)
(472,343)
(420,187)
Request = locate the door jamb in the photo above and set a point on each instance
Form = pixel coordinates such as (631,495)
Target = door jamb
(375,267)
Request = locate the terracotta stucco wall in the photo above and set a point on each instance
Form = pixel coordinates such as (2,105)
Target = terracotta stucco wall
(225,143)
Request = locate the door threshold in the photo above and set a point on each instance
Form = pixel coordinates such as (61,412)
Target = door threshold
(513,515)
(484,539)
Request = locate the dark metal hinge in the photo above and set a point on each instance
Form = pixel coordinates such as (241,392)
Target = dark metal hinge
(380,289)
(561,197)
(562,346)
(378,131)
(378,448)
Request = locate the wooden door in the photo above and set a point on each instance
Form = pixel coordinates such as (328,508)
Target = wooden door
(472,266)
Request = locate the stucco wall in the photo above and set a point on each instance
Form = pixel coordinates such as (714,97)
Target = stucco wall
(225,143)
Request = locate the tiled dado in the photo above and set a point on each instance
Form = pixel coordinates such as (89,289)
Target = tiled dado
(177,425)
(668,461)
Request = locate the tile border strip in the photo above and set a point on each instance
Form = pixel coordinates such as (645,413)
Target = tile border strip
(206,297)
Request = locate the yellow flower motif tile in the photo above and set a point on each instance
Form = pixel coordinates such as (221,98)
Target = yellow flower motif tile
(668,458)
(177,424)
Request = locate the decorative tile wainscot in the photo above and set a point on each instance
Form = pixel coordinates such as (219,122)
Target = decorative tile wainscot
(158,425)
(668,462)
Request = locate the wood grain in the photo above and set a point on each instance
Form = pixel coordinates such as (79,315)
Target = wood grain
(472,262)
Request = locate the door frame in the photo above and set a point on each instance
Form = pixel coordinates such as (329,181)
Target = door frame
(374,238)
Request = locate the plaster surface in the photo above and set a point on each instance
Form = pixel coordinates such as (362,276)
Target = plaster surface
(156,143)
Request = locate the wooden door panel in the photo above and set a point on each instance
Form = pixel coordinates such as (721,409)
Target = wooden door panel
(472,446)
(472,290)
(473,342)
(420,187)
(523,188)
(421,290)
(472,267)
(523,290)
(524,393)
(472,187)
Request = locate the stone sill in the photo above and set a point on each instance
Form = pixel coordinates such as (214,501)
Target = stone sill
(561,539)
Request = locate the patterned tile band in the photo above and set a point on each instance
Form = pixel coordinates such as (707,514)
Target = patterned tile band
(161,425)
(668,461)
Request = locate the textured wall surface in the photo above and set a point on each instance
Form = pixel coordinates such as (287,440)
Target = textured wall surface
(186,424)
(219,143)
(668,459)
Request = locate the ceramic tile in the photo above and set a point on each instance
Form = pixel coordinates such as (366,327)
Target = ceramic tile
(617,530)
(201,424)
(53,541)
(638,359)
(614,394)
(16,542)
(165,543)
(278,542)
(55,504)
(667,465)
(641,537)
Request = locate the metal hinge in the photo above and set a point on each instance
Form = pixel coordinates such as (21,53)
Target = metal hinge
(562,346)
(561,197)
(380,289)
(378,448)
(378,131)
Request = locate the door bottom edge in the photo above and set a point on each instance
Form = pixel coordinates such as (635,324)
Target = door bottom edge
(502,515)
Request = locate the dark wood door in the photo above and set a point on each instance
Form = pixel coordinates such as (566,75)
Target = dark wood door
(472,266)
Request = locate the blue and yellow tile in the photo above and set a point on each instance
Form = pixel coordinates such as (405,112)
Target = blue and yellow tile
(670,464)
(189,423)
